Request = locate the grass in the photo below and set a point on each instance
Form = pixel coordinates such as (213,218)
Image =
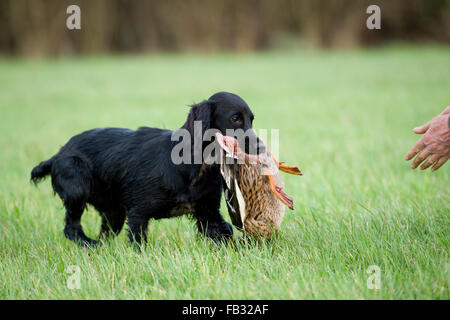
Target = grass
(345,119)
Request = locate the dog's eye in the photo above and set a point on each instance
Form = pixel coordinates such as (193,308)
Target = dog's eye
(235,118)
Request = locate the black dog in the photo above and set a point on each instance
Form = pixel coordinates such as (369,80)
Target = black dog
(129,174)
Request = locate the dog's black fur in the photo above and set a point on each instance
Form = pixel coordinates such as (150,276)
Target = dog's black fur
(129,174)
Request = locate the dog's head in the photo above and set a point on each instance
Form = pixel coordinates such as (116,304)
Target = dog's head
(225,111)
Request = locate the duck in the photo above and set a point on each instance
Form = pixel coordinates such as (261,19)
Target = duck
(253,188)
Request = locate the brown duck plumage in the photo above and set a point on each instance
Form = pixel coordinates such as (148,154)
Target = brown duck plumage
(254,189)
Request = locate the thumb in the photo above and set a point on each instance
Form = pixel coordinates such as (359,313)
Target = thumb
(422,129)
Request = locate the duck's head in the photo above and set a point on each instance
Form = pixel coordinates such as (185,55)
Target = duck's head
(266,162)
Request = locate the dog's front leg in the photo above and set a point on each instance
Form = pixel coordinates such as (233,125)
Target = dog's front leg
(209,220)
(137,223)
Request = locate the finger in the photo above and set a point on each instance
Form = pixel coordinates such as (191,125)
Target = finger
(439,163)
(419,146)
(422,129)
(420,158)
(430,161)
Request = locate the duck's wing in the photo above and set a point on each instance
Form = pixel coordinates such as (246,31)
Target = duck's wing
(241,202)
(233,196)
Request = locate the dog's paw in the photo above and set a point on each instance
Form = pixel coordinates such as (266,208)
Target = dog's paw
(77,235)
(220,232)
(89,244)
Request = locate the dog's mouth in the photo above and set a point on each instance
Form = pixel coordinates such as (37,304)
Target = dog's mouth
(231,146)
(253,144)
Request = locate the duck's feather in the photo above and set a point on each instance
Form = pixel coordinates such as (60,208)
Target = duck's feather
(233,196)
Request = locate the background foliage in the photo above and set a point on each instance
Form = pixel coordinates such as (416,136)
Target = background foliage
(37,27)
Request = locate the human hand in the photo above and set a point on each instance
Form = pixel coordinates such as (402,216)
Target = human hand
(434,147)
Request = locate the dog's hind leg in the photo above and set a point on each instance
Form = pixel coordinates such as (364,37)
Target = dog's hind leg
(71,180)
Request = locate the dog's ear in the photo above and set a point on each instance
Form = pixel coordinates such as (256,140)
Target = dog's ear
(200,112)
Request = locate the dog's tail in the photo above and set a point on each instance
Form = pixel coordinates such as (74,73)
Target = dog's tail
(41,170)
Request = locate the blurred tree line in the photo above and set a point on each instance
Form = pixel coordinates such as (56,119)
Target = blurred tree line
(38,27)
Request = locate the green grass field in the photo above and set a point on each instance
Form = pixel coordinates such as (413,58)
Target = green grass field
(345,119)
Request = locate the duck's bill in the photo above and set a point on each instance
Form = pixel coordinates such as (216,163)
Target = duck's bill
(280,194)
